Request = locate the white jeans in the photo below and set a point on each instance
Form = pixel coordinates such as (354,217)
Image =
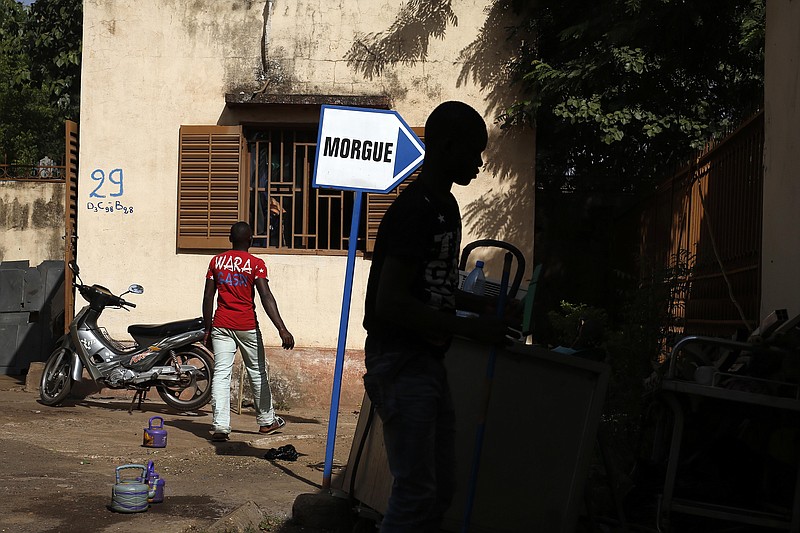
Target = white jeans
(225,341)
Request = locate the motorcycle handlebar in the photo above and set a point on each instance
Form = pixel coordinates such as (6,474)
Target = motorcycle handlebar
(107,298)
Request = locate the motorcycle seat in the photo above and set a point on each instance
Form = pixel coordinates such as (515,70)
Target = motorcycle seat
(165,330)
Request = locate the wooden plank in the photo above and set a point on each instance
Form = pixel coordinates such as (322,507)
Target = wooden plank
(70,218)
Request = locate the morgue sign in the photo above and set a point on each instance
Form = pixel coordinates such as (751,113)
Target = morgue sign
(362,149)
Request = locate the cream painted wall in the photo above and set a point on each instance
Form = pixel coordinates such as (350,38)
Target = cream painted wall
(781,229)
(150,66)
(31,221)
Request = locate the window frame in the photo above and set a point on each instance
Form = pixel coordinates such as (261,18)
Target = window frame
(306,192)
(210,156)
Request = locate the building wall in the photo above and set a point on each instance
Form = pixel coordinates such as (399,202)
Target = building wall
(150,66)
(31,221)
(781,238)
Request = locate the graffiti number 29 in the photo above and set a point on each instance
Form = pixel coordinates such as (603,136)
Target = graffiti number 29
(115,177)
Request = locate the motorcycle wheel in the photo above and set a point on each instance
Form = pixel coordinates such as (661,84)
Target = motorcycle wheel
(195,391)
(56,379)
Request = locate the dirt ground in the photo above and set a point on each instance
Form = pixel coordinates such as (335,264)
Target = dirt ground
(59,463)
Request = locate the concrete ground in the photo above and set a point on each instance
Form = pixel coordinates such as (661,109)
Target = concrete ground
(59,464)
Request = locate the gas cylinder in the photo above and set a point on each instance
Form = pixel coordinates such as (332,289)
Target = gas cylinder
(130,495)
(155,436)
(155,484)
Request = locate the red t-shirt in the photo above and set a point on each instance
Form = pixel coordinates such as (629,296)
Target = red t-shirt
(235,273)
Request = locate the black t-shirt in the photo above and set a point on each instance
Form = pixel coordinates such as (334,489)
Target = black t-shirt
(426,228)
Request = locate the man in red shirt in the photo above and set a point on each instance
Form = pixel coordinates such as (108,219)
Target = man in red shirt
(236,275)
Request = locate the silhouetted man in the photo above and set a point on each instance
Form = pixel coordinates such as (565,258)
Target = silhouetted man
(410,320)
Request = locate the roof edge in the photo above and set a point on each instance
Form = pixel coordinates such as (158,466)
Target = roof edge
(242,98)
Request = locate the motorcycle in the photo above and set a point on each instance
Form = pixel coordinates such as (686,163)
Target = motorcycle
(169,357)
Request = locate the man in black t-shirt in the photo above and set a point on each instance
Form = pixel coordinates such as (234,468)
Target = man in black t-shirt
(425,230)
(410,320)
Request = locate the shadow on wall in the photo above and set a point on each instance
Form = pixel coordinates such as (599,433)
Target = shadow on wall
(488,59)
(505,210)
(405,41)
(507,214)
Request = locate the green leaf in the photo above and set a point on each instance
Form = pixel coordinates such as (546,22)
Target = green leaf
(624,88)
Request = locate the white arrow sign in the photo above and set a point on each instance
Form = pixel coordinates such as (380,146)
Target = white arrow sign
(364,149)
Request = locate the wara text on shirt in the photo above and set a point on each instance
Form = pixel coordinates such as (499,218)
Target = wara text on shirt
(234,264)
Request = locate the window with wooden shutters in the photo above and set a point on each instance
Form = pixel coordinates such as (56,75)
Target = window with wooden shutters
(377,204)
(264,175)
(210,195)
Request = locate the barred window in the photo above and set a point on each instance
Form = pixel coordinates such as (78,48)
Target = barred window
(264,175)
(286,211)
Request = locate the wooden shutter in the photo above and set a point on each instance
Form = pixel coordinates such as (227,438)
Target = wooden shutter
(70,218)
(211,195)
(377,204)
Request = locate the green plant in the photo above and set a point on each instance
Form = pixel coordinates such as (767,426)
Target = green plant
(566,321)
(650,318)
(621,89)
(647,320)
(40,51)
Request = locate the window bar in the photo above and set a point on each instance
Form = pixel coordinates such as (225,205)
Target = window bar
(281,144)
(315,235)
(342,232)
(252,186)
(256,181)
(273,179)
(317,199)
(270,181)
(265,188)
(280,179)
(297,208)
(306,200)
(268,171)
(280,242)
(297,196)
(286,221)
(329,235)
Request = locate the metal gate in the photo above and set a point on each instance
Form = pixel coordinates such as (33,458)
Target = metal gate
(710,214)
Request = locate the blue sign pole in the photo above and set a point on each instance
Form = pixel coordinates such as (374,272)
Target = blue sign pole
(343,323)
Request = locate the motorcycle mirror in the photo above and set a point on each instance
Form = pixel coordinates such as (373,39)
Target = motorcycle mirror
(136,289)
(73,265)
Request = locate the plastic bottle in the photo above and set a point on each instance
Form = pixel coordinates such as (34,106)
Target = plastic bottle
(474,283)
(476,280)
